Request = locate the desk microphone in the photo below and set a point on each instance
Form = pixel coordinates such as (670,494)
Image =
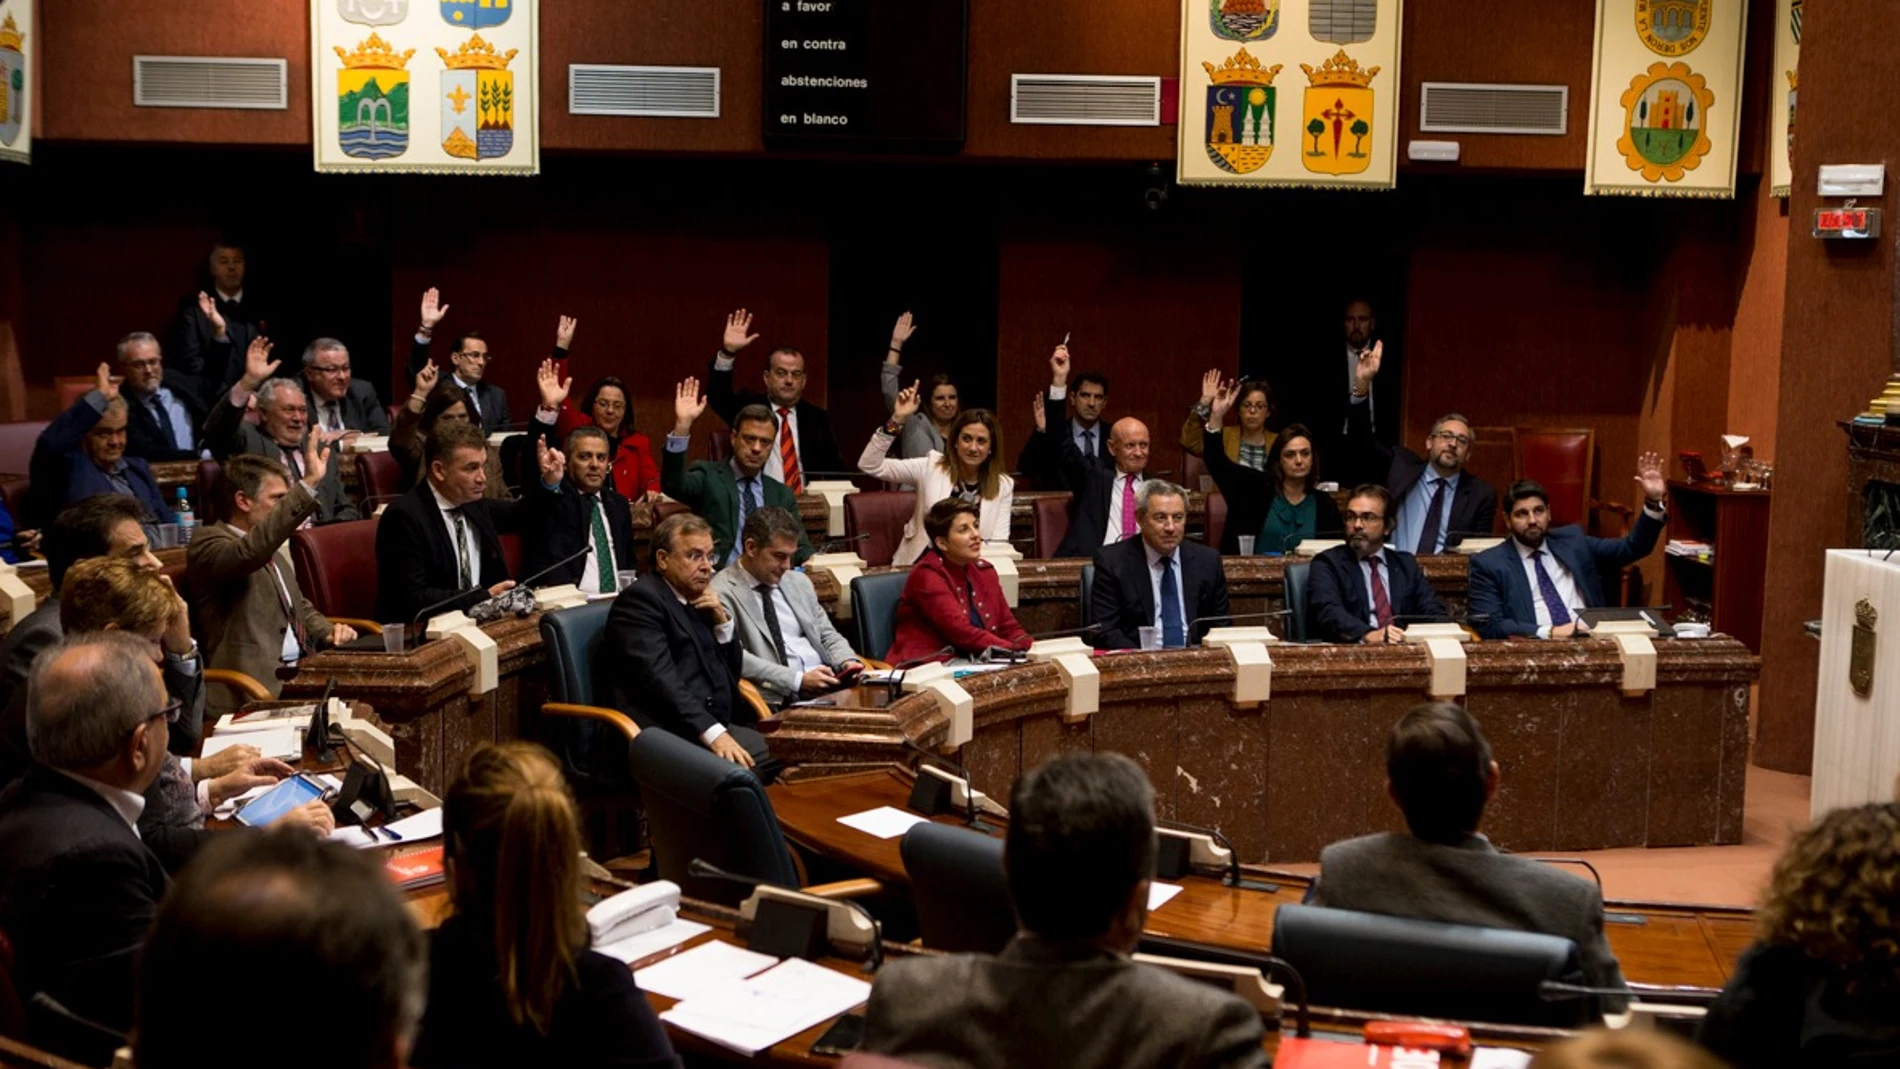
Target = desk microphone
(769,925)
(1207,623)
(446,602)
(528,582)
(1186,834)
(585,549)
(934,794)
(1010,655)
(896,680)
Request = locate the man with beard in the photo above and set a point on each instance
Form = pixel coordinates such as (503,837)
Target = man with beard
(1537,581)
(1439,502)
(1359,592)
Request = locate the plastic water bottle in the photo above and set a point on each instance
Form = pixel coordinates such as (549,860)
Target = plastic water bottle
(187,523)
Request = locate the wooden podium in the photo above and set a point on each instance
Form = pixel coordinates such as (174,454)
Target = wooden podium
(1857,700)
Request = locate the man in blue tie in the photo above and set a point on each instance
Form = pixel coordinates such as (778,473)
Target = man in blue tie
(1537,582)
(1438,501)
(1158,580)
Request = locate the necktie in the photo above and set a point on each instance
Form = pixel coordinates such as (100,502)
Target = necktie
(1088,443)
(1547,587)
(164,421)
(290,610)
(603,548)
(463,572)
(472,403)
(771,622)
(748,500)
(1173,634)
(292,461)
(336,415)
(1128,506)
(1381,604)
(788,452)
(1434,518)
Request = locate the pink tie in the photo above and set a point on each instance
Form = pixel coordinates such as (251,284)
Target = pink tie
(1128,506)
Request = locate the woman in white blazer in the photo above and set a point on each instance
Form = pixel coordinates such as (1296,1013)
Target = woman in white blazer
(973,471)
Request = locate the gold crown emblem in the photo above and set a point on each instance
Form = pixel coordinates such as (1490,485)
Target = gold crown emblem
(476,54)
(10,36)
(1340,70)
(1865,614)
(1794,77)
(1241,69)
(374,52)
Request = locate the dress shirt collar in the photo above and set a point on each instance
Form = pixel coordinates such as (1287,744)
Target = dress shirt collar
(739,476)
(1451,481)
(470,387)
(117,467)
(751,581)
(234,298)
(1379,556)
(1155,555)
(128,805)
(441,502)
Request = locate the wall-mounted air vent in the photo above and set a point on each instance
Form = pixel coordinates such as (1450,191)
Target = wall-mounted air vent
(674,92)
(209,82)
(1084,100)
(1468,108)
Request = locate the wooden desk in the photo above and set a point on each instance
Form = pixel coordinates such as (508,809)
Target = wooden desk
(1673,945)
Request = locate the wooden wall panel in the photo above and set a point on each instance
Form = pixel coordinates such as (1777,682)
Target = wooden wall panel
(1755,356)
(1837,341)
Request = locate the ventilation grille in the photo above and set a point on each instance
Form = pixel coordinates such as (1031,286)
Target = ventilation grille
(209,82)
(1084,100)
(1467,108)
(677,92)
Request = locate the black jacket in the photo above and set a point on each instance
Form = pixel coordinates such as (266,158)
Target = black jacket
(362,409)
(1336,602)
(1249,494)
(1091,487)
(1474,505)
(817,446)
(1122,598)
(415,562)
(669,672)
(564,524)
(1783,1008)
(1039,461)
(144,438)
(491,399)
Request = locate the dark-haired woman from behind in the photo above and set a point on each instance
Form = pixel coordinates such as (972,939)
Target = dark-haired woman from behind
(511,979)
(435,400)
(1821,984)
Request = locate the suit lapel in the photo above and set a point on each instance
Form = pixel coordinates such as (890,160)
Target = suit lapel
(1523,607)
(1576,557)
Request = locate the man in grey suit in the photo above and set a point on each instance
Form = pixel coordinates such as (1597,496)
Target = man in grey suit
(339,403)
(1080,853)
(282,426)
(1440,773)
(791,649)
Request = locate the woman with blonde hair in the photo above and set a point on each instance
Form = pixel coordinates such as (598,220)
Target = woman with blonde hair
(971,470)
(511,979)
(1821,984)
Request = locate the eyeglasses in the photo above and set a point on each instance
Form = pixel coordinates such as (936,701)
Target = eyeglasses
(340,369)
(170,712)
(1447,436)
(151,364)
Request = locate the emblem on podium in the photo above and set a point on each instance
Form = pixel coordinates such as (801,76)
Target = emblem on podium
(372,93)
(1338,116)
(1244,20)
(478,101)
(12,81)
(1672,27)
(1664,112)
(1860,658)
(1240,108)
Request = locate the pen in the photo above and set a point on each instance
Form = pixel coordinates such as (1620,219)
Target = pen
(1065,340)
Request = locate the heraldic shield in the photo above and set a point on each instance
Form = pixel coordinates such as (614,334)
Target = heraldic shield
(1672,27)
(1337,119)
(1244,20)
(476,14)
(372,12)
(1664,112)
(372,92)
(12,82)
(478,101)
(1240,107)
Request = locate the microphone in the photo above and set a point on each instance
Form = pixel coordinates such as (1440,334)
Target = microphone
(48,1004)
(558,565)
(1443,618)
(1214,849)
(1207,623)
(772,910)
(1067,632)
(932,799)
(839,543)
(1010,655)
(896,680)
(445,603)
(318,734)
(528,582)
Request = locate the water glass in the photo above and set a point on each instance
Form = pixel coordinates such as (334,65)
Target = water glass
(393,635)
(1246,545)
(1150,638)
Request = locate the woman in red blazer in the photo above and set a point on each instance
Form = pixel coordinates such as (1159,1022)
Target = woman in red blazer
(635,474)
(953,597)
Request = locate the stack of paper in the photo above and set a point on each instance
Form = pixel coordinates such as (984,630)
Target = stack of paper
(700,969)
(284,742)
(752,1015)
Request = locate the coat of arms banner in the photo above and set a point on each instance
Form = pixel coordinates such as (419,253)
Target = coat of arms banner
(1781,96)
(1665,98)
(1289,93)
(16,78)
(425,86)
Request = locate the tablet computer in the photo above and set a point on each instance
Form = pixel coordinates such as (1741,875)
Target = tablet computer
(272,805)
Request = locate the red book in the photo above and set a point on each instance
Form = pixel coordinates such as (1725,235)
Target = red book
(1296,1053)
(418,868)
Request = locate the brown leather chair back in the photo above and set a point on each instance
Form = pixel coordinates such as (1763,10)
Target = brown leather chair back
(512,552)
(1494,459)
(207,492)
(1560,458)
(1193,470)
(882,515)
(17,440)
(336,566)
(1216,524)
(68,389)
(1052,524)
(719,445)
(378,479)
(669,508)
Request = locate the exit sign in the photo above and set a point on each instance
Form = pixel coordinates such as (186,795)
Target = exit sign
(1847,222)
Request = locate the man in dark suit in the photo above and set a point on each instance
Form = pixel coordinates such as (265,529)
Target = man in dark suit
(1537,582)
(1438,502)
(164,407)
(1079,857)
(468,362)
(802,438)
(585,512)
(1326,391)
(1039,460)
(724,495)
(680,650)
(78,889)
(1440,773)
(215,326)
(339,403)
(282,428)
(83,452)
(1359,592)
(1159,580)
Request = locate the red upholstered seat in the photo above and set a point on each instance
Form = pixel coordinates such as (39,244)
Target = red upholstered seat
(1494,458)
(1193,470)
(668,508)
(1560,458)
(207,493)
(511,552)
(1216,524)
(70,388)
(336,566)
(882,515)
(16,444)
(378,479)
(1052,524)
(719,445)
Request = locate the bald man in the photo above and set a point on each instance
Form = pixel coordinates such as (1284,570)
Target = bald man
(1103,508)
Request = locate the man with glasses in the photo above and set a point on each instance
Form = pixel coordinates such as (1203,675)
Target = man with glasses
(1366,591)
(163,413)
(283,425)
(802,441)
(338,402)
(1439,502)
(83,453)
(78,887)
(469,363)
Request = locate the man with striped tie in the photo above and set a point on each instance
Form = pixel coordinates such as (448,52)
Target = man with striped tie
(1363,591)
(802,442)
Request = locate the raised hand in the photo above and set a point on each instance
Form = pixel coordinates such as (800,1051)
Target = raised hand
(554,389)
(1042,418)
(688,406)
(552,464)
(564,332)
(738,336)
(432,308)
(425,379)
(1224,397)
(1210,385)
(1649,473)
(316,460)
(210,309)
(902,331)
(1059,366)
(909,400)
(258,365)
(1368,368)
(104,382)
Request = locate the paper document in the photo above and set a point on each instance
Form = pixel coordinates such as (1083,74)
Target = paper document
(702,968)
(280,742)
(645,944)
(1159,893)
(884,822)
(1499,1058)
(419,827)
(751,1015)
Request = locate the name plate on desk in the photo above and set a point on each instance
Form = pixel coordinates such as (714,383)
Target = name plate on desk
(955,702)
(480,650)
(834,491)
(1253,664)
(843,567)
(1445,645)
(16,597)
(1004,557)
(1632,638)
(1075,659)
